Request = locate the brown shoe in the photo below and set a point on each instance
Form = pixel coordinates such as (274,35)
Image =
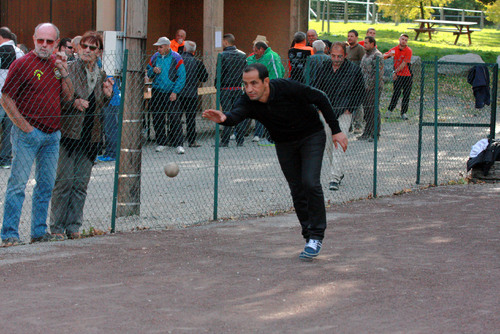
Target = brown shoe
(76,235)
(195,144)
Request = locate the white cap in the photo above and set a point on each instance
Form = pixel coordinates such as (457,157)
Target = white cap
(162,41)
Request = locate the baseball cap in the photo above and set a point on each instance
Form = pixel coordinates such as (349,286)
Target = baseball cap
(162,41)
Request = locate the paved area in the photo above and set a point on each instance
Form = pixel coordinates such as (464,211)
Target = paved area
(421,262)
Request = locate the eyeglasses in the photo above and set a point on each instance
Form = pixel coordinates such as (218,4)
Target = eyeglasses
(48,41)
(69,47)
(91,47)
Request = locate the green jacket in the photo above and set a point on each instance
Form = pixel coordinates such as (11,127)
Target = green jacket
(272,61)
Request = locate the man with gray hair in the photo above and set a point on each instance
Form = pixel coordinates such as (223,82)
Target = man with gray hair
(35,87)
(166,68)
(196,73)
(315,62)
(297,55)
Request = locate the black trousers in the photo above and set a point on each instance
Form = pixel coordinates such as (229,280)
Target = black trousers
(401,84)
(189,105)
(369,113)
(161,106)
(300,162)
(227,99)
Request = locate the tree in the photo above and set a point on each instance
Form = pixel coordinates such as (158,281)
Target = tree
(493,12)
(398,9)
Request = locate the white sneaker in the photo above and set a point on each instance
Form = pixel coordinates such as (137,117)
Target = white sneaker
(255,139)
(232,137)
(180,150)
(160,148)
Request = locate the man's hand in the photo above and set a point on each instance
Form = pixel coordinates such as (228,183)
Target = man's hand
(157,70)
(216,116)
(173,97)
(81,104)
(340,138)
(62,63)
(107,87)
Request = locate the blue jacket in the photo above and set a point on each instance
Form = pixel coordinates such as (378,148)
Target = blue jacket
(172,77)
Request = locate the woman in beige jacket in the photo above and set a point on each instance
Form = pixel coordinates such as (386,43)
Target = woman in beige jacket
(80,137)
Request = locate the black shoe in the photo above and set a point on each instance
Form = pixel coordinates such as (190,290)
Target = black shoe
(363,137)
(334,185)
(240,144)
(44,238)
(224,145)
(195,144)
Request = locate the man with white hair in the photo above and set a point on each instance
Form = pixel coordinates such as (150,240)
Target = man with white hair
(315,62)
(312,36)
(166,68)
(196,73)
(35,87)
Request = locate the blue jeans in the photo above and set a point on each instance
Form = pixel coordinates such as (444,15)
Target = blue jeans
(110,120)
(300,161)
(6,146)
(42,148)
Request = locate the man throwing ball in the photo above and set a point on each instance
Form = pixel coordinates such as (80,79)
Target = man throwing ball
(287,109)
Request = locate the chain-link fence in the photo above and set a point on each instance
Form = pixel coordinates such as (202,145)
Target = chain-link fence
(152,116)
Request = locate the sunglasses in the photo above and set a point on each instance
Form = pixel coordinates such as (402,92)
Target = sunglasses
(69,47)
(91,47)
(48,41)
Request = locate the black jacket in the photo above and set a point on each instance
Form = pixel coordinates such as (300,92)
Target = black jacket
(345,88)
(479,78)
(196,72)
(486,158)
(289,114)
(233,61)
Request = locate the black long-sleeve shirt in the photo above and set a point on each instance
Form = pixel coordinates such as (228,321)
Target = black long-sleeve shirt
(289,114)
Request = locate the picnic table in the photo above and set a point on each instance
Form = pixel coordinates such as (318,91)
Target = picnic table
(459,28)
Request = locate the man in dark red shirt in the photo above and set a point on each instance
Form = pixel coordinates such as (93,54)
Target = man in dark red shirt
(34,89)
(401,75)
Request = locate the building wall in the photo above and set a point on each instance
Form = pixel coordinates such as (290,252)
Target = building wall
(72,17)
(105,15)
(247,19)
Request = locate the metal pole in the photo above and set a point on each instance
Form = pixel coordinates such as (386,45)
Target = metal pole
(436,121)
(217,131)
(375,127)
(346,17)
(494,101)
(118,144)
(420,120)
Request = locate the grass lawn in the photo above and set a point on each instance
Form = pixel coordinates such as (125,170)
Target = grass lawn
(484,42)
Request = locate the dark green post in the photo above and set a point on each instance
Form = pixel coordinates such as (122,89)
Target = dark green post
(494,101)
(119,141)
(420,120)
(375,126)
(436,121)
(217,131)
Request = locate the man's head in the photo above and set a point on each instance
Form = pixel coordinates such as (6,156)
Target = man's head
(256,82)
(403,41)
(180,36)
(337,54)
(370,43)
(371,32)
(46,38)
(228,40)
(352,37)
(5,35)
(312,36)
(76,43)
(91,46)
(318,46)
(163,45)
(190,47)
(65,46)
(299,37)
(259,49)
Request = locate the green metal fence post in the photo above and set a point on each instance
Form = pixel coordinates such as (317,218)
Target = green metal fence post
(436,121)
(420,120)
(119,141)
(494,95)
(217,131)
(375,126)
